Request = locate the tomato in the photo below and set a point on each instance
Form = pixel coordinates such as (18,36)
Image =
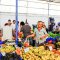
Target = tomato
(18,51)
(26,44)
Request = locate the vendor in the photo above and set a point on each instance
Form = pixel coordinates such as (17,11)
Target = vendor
(40,34)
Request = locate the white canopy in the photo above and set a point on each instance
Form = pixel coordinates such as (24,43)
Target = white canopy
(55,1)
(31,6)
(36,10)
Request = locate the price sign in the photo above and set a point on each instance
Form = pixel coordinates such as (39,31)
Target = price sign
(3,53)
(50,47)
(26,50)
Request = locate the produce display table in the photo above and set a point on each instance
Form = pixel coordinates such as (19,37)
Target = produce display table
(9,51)
(31,53)
(39,53)
(10,56)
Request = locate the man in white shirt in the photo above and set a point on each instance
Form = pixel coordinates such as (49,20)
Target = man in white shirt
(7,31)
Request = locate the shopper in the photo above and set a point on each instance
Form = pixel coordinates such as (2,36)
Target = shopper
(40,34)
(7,31)
(9,23)
(59,27)
(5,36)
(13,24)
(13,28)
(54,29)
(44,26)
(0,34)
(21,24)
(51,27)
(20,40)
(26,30)
(18,27)
(10,30)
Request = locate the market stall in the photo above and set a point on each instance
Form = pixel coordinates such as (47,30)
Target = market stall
(21,49)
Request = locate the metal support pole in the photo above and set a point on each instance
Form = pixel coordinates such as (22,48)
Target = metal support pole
(48,14)
(48,9)
(27,10)
(0,1)
(16,22)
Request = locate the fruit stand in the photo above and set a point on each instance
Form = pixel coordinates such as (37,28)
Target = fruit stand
(27,52)
(10,51)
(39,53)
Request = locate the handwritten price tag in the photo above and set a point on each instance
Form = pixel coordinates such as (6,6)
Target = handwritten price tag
(26,50)
(3,53)
(50,47)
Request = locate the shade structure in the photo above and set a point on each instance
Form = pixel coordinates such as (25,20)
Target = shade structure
(55,1)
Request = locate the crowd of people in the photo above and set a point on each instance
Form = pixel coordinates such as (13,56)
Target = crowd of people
(36,36)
